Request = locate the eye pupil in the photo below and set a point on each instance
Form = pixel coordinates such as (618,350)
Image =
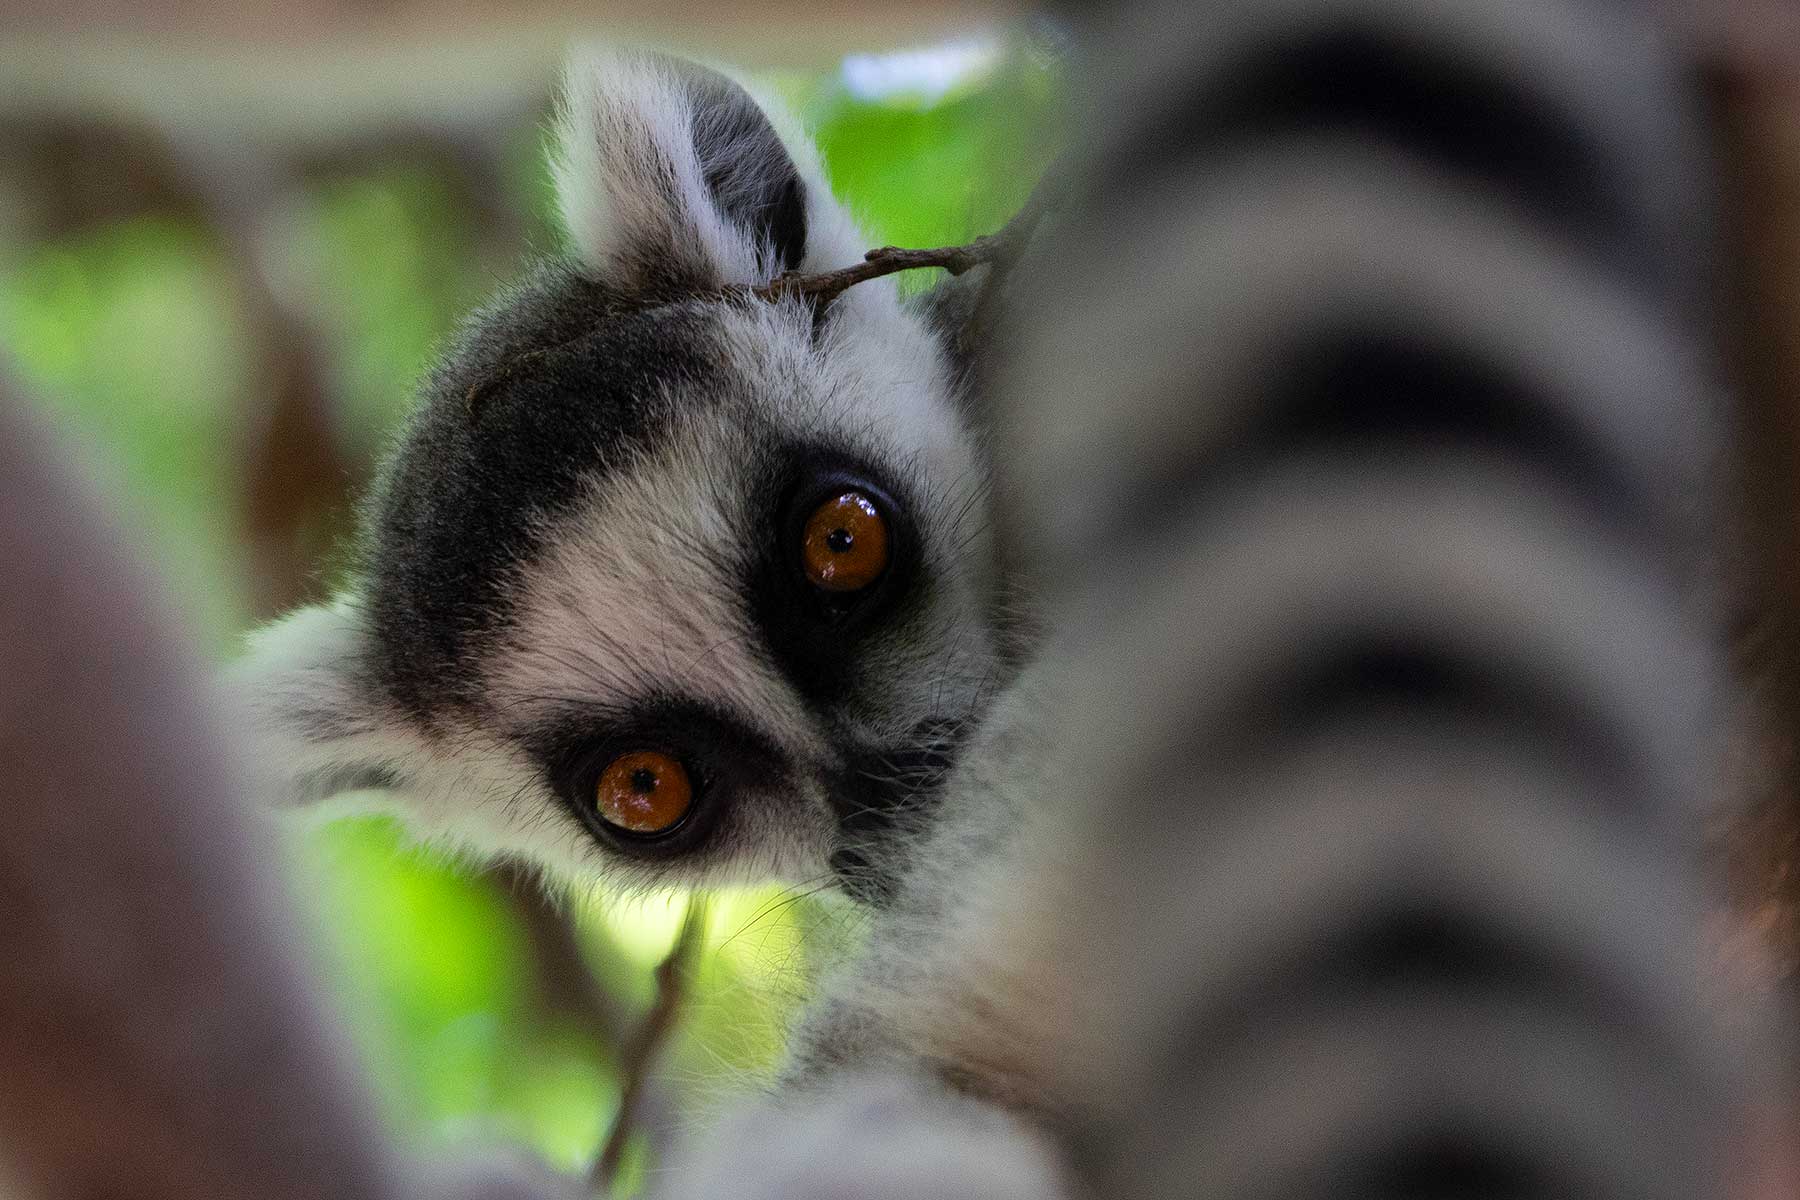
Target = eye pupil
(844,547)
(643,792)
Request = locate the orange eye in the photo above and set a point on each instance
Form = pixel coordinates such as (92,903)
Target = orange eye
(845,545)
(644,791)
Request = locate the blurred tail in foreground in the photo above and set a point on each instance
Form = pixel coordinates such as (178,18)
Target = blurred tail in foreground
(1376,355)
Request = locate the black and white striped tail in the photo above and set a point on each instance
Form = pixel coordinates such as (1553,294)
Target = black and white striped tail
(1362,442)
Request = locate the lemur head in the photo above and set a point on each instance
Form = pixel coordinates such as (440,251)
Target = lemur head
(661,582)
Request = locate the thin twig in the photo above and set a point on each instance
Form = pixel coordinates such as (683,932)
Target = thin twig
(672,977)
(567,985)
(1000,250)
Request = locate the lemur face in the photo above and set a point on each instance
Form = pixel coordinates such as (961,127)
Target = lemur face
(660,583)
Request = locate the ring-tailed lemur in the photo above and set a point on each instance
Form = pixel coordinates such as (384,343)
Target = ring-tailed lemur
(657,583)
(1337,844)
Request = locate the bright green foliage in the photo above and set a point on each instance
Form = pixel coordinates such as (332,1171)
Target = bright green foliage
(387,262)
(133,340)
(937,174)
(133,337)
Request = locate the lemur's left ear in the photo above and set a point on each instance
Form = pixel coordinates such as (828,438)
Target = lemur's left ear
(672,177)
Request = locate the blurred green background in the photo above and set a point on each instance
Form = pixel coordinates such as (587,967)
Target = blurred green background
(133,333)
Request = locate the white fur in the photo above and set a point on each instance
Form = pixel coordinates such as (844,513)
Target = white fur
(623,148)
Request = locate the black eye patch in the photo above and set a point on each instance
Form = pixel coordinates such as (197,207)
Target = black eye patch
(722,757)
(814,632)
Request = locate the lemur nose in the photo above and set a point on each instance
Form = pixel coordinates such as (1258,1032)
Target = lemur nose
(873,800)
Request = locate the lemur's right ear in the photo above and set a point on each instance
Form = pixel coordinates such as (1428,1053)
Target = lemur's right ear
(311,725)
(672,177)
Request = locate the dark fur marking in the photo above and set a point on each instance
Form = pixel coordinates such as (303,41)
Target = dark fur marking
(1363,391)
(573,382)
(884,793)
(1372,84)
(812,643)
(724,755)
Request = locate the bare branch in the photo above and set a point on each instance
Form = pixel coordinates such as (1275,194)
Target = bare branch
(672,976)
(567,986)
(1000,250)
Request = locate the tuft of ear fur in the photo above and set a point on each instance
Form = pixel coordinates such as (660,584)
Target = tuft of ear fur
(671,176)
(308,719)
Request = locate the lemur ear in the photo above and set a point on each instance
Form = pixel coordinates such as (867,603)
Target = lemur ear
(671,176)
(312,728)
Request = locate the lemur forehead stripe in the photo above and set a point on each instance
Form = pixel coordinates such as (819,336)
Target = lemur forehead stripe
(467,493)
